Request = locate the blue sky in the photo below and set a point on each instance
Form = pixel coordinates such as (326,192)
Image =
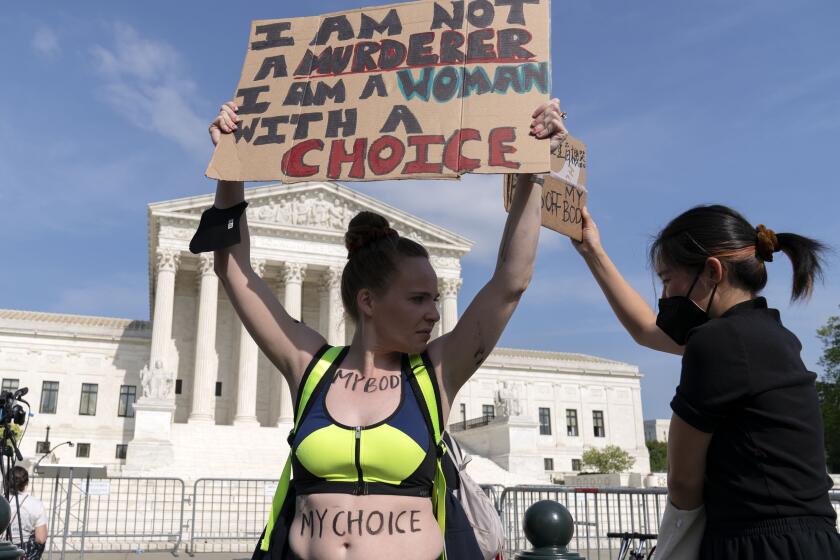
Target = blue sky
(105,107)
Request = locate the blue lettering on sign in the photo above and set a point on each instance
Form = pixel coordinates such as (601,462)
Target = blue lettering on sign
(448,82)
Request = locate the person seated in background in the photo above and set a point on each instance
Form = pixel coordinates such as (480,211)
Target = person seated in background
(29,518)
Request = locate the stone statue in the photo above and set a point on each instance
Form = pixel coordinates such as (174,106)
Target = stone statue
(507,401)
(267,212)
(321,212)
(156,382)
(284,213)
(338,215)
(146,381)
(501,405)
(301,211)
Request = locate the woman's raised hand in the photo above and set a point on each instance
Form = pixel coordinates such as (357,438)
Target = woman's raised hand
(548,123)
(225,122)
(591,237)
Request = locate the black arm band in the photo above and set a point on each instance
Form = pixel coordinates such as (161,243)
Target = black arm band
(217,229)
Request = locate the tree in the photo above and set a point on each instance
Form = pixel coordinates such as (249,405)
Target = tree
(829,334)
(828,389)
(609,460)
(658,451)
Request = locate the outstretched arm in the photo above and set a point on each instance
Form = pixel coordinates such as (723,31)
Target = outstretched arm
(289,344)
(463,350)
(630,308)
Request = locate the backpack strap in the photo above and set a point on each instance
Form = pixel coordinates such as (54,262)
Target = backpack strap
(421,381)
(312,378)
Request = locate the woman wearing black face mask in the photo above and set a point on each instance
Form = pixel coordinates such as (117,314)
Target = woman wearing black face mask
(746,438)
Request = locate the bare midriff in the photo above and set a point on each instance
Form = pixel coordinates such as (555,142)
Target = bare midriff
(372,527)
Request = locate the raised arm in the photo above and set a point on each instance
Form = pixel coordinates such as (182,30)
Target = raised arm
(288,343)
(630,308)
(462,351)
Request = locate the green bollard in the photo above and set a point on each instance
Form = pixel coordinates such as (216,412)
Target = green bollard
(549,527)
(8,551)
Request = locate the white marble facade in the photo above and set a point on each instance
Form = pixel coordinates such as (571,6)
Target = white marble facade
(210,404)
(657,429)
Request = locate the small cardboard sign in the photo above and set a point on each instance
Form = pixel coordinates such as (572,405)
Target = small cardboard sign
(423,89)
(563,190)
(568,162)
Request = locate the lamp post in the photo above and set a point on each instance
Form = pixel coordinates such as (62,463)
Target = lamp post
(35,468)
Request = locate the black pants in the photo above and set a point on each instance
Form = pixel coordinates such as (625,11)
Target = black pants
(790,538)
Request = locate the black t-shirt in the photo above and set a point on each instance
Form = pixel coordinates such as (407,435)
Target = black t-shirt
(744,382)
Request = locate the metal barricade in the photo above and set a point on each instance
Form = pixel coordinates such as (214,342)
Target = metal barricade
(120,514)
(596,511)
(834,495)
(229,515)
(494,492)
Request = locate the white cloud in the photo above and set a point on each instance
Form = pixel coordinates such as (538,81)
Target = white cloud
(45,42)
(145,81)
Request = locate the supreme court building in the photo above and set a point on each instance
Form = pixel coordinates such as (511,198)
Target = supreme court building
(189,394)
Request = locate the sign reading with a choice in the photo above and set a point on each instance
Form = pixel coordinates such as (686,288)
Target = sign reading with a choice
(421,89)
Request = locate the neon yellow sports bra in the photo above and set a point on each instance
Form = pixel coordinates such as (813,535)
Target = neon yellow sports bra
(394,456)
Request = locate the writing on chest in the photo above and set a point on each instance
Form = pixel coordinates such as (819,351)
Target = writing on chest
(358,382)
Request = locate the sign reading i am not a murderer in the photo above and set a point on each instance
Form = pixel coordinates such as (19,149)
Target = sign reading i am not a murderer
(424,89)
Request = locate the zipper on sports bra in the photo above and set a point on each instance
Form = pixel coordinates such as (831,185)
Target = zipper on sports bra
(361,485)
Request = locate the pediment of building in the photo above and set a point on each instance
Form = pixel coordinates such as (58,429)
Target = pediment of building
(318,209)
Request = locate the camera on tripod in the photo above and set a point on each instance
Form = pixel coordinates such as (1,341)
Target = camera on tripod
(11,409)
(11,414)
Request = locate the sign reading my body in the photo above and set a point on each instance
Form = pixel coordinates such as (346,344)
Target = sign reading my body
(567,204)
(352,380)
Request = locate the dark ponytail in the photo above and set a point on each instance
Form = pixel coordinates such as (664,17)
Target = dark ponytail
(373,254)
(805,256)
(718,231)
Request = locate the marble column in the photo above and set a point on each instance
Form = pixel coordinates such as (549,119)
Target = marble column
(332,310)
(151,445)
(167,265)
(246,386)
(293,275)
(278,382)
(324,306)
(206,360)
(449,288)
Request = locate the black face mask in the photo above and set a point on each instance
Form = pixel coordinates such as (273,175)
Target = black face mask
(679,314)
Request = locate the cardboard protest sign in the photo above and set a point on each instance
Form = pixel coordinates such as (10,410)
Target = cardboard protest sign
(563,189)
(568,162)
(424,89)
